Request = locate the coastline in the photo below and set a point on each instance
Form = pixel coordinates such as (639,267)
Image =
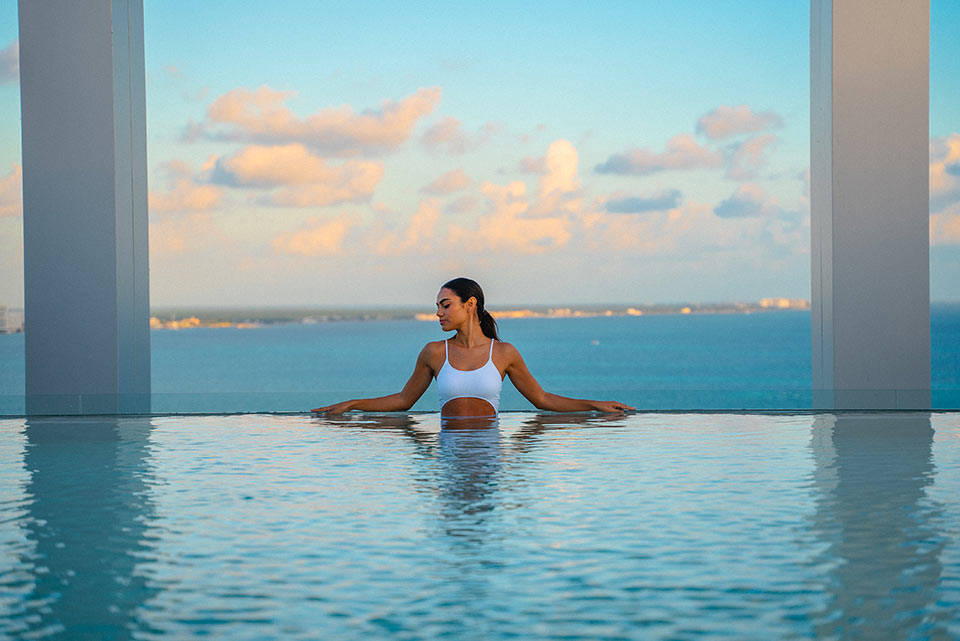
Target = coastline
(250,318)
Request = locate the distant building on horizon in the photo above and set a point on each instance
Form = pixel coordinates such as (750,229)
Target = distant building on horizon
(785,303)
(11,320)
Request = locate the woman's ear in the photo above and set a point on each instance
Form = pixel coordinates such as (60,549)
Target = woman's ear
(472,302)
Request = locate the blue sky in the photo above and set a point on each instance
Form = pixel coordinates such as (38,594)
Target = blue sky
(624,152)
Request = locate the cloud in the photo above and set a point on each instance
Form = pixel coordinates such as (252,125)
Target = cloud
(11,190)
(10,63)
(318,236)
(448,183)
(531,165)
(945,190)
(461,205)
(560,170)
(944,172)
(191,232)
(656,234)
(184,193)
(661,201)
(419,234)
(505,229)
(693,235)
(750,201)
(261,117)
(304,179)
(681,152)
(725,121)
(558,188)
(747,158)
(448,136)
(945,227)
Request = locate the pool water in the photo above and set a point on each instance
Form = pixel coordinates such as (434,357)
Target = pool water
(645,526)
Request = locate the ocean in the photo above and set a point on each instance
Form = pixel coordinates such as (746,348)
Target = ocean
(694,361)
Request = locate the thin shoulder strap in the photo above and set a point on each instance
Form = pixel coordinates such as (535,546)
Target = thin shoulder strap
(446,350)
(490,357)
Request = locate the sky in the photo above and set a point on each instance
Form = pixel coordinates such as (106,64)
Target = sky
(350,153)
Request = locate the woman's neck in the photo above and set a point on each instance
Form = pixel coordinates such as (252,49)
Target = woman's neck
(470,336)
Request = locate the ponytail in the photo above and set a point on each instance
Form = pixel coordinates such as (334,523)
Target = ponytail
(465,288)
(488,324)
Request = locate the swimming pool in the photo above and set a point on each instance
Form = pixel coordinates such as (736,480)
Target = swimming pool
(646,526)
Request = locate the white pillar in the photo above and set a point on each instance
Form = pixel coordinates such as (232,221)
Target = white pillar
(869,195)
(86,279)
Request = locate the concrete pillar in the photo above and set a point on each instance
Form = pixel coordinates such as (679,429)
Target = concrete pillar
(86,285)
(869,195)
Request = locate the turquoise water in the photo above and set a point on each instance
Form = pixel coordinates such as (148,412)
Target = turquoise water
(649,526)
(653,362)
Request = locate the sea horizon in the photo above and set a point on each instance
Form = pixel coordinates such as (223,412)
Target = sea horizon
(186,316)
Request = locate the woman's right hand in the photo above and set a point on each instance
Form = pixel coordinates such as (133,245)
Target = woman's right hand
(611,407)
(336,408)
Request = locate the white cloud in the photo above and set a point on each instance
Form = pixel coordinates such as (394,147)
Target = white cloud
(657,233)
(692,233)
(418,236)
(10,63)
(11,188)
(184,192)
(448,183)
(317,237)
(304,179)
(560,170)
(506,229)
(448,136)
(748,201)
(726,121)
(558,187)
(531,165)
(181,233)
(945,228)
(461,205)
(944,172)
(260,116)
(681,152)
(747,158)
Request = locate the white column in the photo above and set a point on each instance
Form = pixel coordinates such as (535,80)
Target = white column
(86,284)
(869,197)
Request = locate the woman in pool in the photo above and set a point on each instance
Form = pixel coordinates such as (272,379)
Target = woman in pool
(469,367)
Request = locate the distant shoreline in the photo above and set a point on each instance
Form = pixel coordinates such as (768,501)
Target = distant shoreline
(187,317)
(247,318)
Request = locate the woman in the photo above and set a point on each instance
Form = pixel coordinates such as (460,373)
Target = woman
(469,367)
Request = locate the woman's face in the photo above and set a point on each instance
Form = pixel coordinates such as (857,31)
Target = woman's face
(452,311)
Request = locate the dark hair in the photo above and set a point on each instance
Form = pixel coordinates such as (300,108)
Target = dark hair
(464,288)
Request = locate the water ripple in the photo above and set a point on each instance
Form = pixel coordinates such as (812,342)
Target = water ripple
(546,527)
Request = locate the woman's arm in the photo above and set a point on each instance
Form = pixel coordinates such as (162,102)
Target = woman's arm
(416,385)
(527,385)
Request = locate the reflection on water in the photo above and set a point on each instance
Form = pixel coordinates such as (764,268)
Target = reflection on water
(882,546)
(536,425)
(469,466)
(533,526)
(87,507)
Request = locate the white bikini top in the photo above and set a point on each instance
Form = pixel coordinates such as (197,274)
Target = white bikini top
(483,383)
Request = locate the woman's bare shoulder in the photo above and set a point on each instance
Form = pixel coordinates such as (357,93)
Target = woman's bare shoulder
(506,349)
(432,348)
